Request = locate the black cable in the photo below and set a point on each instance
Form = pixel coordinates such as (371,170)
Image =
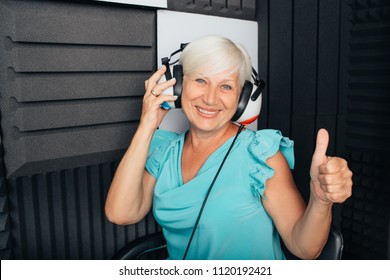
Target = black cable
(208,192)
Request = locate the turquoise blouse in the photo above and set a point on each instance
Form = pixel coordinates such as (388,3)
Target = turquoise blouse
(234,224)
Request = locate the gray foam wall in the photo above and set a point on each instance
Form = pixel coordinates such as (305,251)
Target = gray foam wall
(71,82)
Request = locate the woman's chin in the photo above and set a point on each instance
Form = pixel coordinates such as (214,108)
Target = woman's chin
(209,124)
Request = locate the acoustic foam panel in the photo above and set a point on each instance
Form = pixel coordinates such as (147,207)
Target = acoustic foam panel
(71,82)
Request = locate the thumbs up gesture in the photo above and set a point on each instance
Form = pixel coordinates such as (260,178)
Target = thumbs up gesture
(331,179)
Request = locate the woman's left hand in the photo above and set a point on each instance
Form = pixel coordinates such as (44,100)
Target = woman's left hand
(331,179)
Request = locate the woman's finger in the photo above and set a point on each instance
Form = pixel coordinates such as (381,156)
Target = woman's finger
(152,81)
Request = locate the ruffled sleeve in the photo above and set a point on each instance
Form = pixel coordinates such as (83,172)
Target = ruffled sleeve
(263,145)
(160,141)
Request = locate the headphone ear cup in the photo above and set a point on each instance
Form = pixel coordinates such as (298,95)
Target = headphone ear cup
(178,87)
(245,95)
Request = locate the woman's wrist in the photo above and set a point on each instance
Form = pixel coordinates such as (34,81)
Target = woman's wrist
(321,205)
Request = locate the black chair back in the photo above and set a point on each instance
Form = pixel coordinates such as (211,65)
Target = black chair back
(153,247)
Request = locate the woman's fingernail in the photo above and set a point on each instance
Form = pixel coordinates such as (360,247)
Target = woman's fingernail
(175,96)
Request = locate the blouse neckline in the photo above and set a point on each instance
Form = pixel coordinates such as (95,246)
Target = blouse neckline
(219,152)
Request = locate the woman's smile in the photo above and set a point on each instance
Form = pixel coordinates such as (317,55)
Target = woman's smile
(207,112)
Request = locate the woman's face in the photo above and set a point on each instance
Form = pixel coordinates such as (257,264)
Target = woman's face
(210,102)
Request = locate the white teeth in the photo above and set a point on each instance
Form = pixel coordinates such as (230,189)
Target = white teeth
(203,111)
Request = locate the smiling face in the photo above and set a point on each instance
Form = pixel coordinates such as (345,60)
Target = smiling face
(210,101)
(215,69)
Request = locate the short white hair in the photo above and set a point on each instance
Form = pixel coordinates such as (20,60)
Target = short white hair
(217,54)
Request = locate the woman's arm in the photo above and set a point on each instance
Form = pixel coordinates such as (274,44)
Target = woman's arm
(129,198)
(130,195)
(303,229)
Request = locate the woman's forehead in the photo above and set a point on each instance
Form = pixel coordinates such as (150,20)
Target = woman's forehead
(228,74)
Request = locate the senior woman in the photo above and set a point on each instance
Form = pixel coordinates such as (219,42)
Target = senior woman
(253,202)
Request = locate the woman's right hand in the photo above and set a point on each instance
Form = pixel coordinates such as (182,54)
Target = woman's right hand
(130,195)
(152,112)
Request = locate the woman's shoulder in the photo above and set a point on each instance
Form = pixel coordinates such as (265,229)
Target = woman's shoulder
(262,145)
(163,138)
(265,143)
(161,141)
(267,137)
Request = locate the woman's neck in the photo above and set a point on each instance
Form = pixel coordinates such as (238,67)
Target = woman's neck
(199,140)
(199,146)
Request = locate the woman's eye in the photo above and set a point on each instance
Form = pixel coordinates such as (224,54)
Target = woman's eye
(226,87)
(200,81)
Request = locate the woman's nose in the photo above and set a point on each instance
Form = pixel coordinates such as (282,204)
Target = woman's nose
(210,97)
